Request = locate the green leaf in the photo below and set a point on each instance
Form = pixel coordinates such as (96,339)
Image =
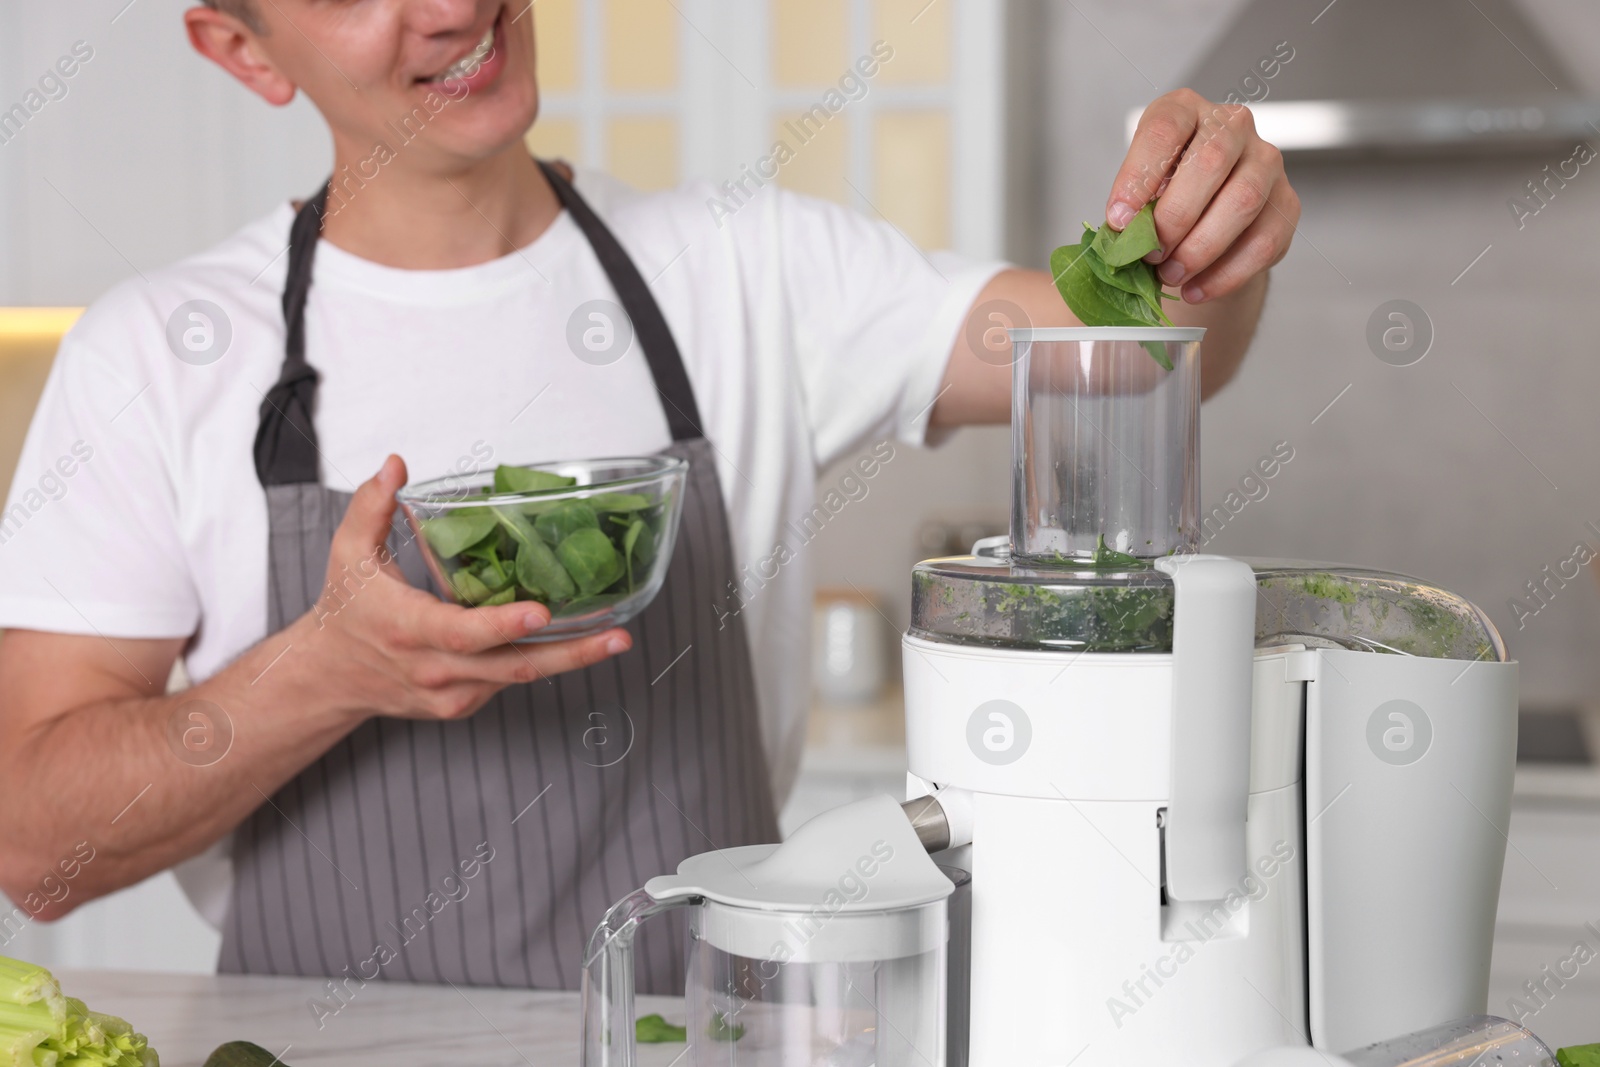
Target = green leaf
(644,550)
(591,560)
(618,501)
(1137,239)
(487,566)
(469,587)
(1105,556)
(1093,301)
(455,531)
(504,596)
(630,541)
(721,1029)
(498,574)
(537,569)
(1105,281)
(487,549)
(1138,279)
(566,518)
(541,574)
(654,1030)
(1158,352)
(585,604)
(1579,1056)
(527,480)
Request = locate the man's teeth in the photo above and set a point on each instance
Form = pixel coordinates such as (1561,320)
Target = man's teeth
(468,64)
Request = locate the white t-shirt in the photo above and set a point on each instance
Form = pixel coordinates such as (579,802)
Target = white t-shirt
(809,332)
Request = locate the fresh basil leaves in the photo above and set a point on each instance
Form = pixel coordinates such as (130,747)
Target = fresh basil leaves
(1106,282)
(574,556)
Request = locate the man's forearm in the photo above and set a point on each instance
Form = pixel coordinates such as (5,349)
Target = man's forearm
(116,773)
(1230,324)
(92,752)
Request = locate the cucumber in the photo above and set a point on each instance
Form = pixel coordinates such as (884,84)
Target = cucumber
(242,1054)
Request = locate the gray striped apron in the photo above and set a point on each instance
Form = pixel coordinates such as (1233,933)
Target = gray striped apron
(484,851)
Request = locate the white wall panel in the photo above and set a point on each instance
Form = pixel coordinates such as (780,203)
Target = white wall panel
(152,154)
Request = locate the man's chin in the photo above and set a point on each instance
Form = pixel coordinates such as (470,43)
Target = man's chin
(480,127)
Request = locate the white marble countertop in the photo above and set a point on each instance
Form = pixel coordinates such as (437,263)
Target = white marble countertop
(396,1024)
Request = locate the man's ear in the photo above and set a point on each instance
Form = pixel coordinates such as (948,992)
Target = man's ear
(234,47)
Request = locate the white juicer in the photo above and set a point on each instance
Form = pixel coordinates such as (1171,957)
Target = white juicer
(1208,805)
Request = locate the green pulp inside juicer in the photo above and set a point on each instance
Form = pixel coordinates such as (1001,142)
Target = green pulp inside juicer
(985,600)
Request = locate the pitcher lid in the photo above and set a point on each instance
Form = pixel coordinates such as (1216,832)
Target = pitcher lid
(861,857)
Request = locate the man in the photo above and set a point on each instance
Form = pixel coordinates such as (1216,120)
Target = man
(405,791)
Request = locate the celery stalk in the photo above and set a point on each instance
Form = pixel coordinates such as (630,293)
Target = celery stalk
(40,1027)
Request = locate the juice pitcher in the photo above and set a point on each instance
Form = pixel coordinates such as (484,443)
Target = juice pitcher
(829,949)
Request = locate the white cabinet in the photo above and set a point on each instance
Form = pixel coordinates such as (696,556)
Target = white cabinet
(1548,929)
(147,927)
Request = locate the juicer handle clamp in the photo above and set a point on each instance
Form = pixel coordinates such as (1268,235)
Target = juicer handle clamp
(942,819)
(1213,670)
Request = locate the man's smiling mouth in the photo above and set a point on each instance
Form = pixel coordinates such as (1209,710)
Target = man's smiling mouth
(468,64)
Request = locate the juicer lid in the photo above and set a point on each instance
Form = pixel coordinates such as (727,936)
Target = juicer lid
(861,857)
(1106,333)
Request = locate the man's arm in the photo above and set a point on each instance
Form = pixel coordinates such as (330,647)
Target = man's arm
(1225,216)
(86,749)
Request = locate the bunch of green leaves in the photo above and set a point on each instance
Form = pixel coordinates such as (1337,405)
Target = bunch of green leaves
(40,1026)
(1106,282)
(572,555)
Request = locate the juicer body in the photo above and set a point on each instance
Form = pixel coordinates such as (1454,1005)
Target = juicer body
(1363,905)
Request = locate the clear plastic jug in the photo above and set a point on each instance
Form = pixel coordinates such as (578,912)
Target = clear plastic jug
(826,951)
(1477,1040)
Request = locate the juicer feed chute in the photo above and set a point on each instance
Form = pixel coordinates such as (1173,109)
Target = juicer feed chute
(1105,444)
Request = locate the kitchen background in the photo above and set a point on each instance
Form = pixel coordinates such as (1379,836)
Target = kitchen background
(995,129)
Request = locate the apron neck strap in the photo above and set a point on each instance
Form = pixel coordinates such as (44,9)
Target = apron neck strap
(286,441)
(649,324)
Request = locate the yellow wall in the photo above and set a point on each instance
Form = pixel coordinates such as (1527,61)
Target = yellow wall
(28,341)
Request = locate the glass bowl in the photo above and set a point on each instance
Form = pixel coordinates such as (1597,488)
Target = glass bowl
(589,539)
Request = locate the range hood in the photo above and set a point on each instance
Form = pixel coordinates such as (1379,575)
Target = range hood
(1398,77)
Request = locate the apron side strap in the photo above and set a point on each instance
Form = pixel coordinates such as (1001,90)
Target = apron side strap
(649,325)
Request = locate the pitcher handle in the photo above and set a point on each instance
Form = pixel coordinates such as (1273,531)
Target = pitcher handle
(608,1013)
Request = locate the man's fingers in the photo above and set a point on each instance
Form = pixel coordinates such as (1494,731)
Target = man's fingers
(1205,165)
(366,523)
(1241,198)
(511,664)
(1164,129)
(1262,245)
(465,631)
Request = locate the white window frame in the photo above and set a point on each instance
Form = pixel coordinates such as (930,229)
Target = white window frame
(726,100)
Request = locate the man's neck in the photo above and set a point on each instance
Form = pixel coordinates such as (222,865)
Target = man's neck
(439,220)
